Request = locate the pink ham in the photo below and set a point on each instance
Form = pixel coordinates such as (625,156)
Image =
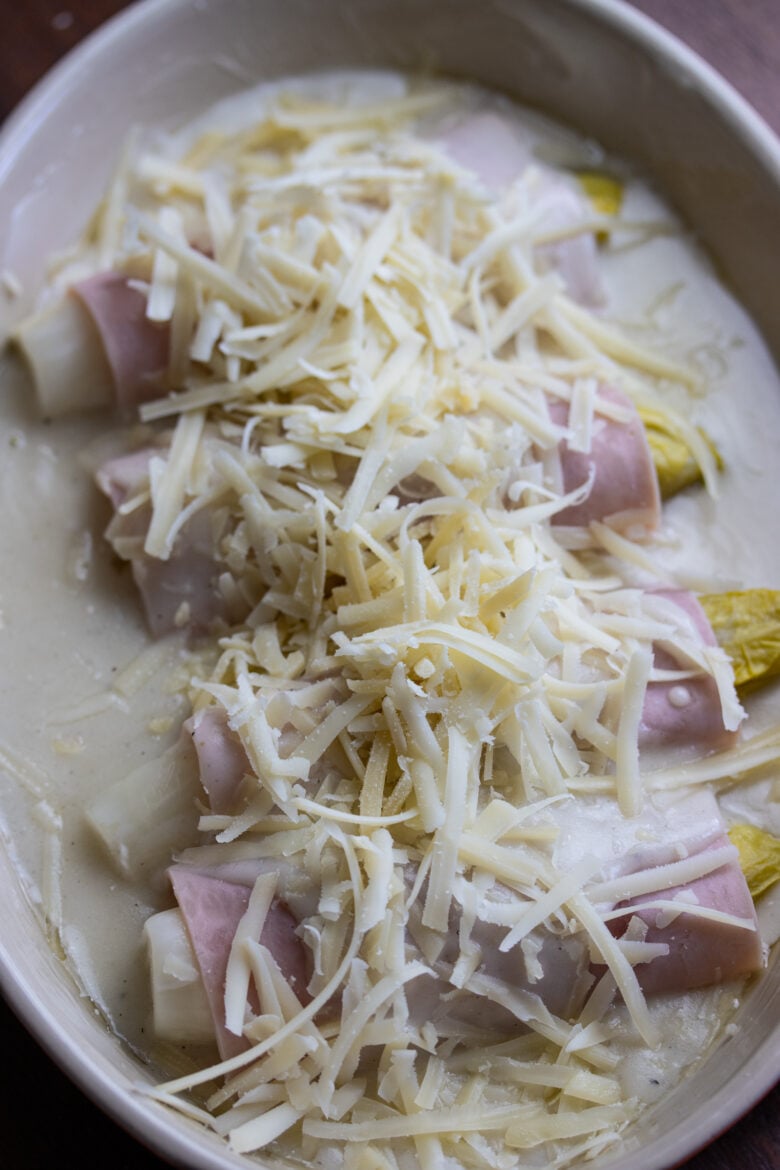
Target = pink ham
(701,952)
(685,714)
(136,348)
(696,724)
(182,591)
(120,477)
(222,760)
(564,981)
(212,909)
(224,764)
(561,982)
(489,146)
(492,148)
(574,257)
(625,492)
(561,987)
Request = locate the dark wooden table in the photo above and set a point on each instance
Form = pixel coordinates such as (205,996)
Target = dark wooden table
(44,1120)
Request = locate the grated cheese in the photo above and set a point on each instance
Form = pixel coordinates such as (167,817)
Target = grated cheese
(238,974)
(629,781)
(423,672)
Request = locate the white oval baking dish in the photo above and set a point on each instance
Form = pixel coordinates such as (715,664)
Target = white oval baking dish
(595,64)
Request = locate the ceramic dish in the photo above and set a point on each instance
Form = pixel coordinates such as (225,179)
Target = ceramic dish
(587,62)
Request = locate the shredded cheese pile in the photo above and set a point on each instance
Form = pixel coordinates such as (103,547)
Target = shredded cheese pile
(364,349)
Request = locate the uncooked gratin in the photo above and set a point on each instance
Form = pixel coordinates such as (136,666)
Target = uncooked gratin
(414,799)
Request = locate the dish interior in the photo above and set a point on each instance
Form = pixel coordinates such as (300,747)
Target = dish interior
(159,86)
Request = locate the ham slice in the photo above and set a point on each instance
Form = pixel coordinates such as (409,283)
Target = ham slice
(182,591)
(558,974)
(701,951)
(212,909)
(667,833)
(625,492)
(136,348)
(222,760)
(574,257)
(224,764)
(555,971)
(495,151)
(120,477)
(488,145)
(684,714)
